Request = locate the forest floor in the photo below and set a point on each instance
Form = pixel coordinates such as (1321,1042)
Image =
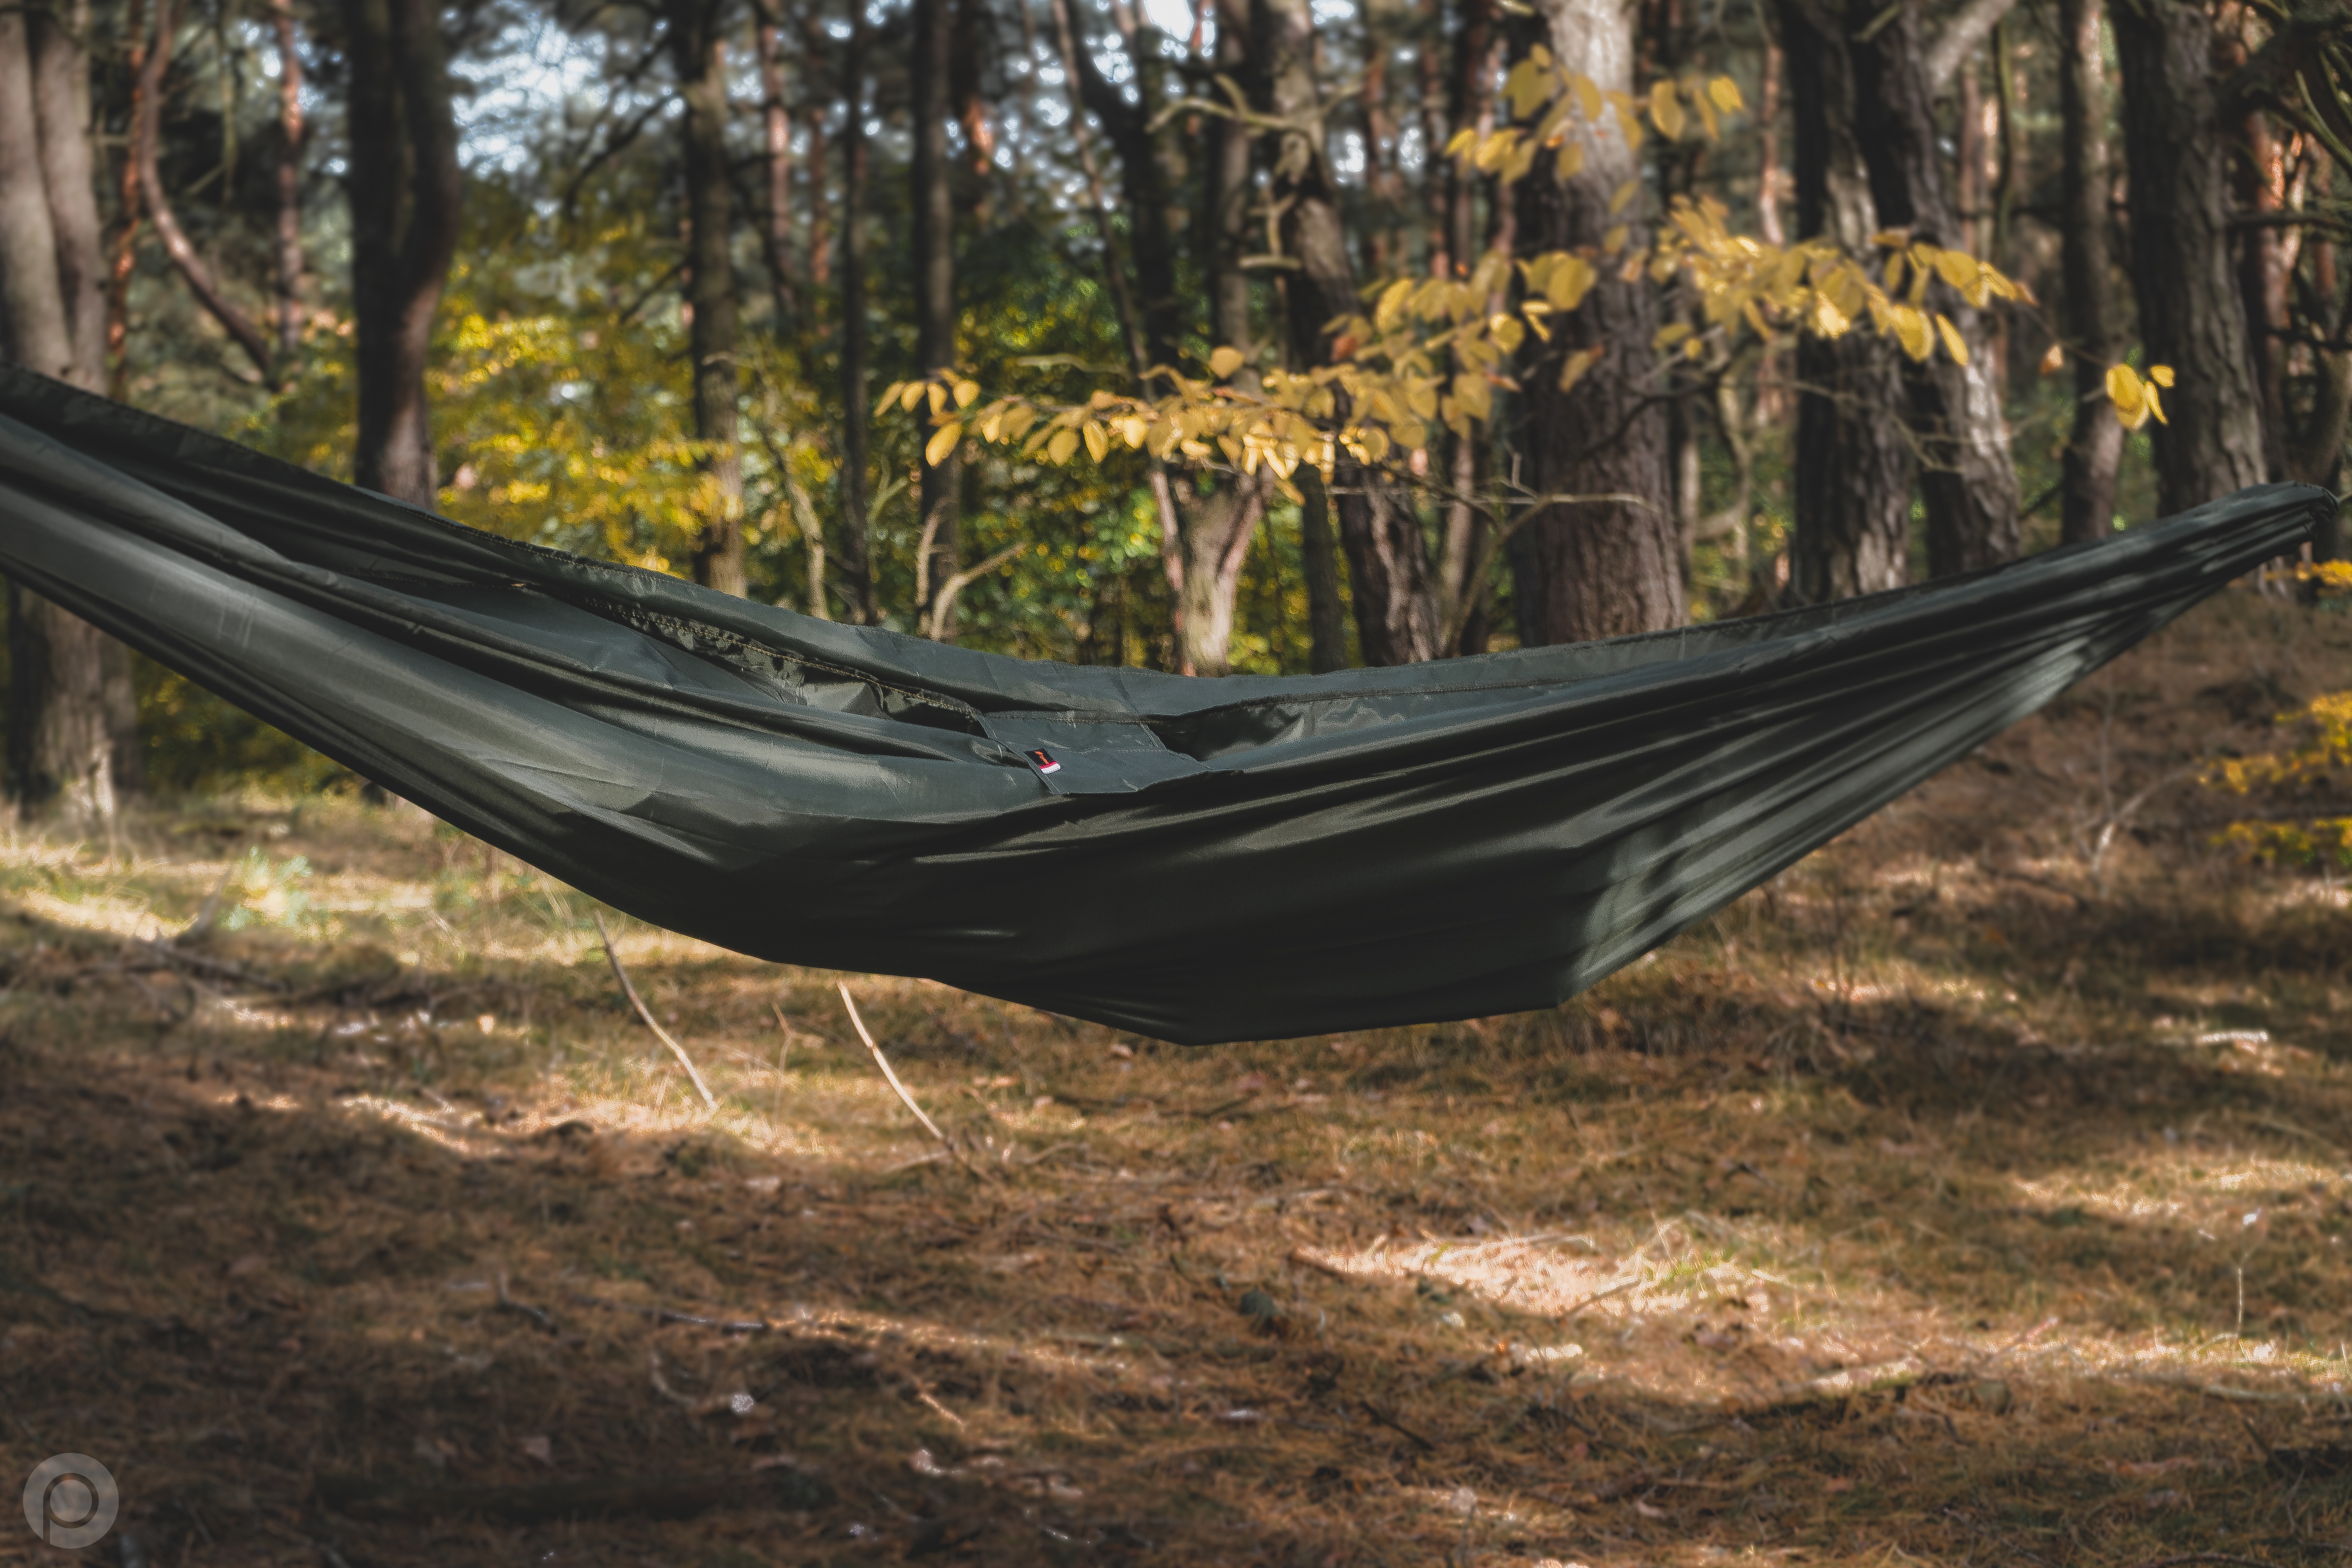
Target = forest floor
(1977,1192)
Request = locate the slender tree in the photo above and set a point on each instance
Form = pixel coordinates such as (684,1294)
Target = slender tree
(2191,315)
(698,48)
(1602,557)
(288,236)
(2095,446)
(1397,618)
(856,568)
(933,199)
(1852,482)
(406,196)
(1966,477)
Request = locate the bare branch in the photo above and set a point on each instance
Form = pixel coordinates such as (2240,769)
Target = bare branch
(613,956)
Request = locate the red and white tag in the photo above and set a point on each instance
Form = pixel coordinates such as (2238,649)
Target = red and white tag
(1044,761)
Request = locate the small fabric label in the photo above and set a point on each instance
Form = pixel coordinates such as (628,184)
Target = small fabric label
(1044,761)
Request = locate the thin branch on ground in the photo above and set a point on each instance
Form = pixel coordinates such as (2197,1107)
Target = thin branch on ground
(628,989)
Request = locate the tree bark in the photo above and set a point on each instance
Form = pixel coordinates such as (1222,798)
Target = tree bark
(63,730)
(2191,316)
(1397,617)
(1852,495)
(933,200)
(698,46)
(1319,559)
(2094,448)
(407,196)
(1585,569)
(290,182)
(776,143)
(1965,472)
(857,565)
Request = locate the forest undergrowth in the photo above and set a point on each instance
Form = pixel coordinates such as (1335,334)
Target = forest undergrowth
(1976,1192)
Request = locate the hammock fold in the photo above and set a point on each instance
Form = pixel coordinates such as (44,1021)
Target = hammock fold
(1196,860)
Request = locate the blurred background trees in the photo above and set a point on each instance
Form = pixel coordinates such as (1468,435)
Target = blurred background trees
(626,280)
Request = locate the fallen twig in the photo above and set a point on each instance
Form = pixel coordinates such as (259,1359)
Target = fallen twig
(671,1315)
(638,1002)
(1383,1418)
(538,1315)
(904,1097)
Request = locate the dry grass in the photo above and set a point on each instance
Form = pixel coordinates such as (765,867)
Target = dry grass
(1975,1193)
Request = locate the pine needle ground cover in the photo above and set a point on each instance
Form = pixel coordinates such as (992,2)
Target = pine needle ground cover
(1975,1193)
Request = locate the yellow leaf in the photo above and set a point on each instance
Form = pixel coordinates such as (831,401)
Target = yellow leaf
(1623,195)
(1393,301)
(888,398)
(1588,96)
(2054,361)
(2155,403)
(1614,241)
(1670,334)
(1666,109)
(937,394)
(1953,344)
(1959,269)
(2160,373)
(1578,364)
(1463,139)
(1629,120)
(1058,449)
(2128,396)
(1507,332)
(1526,87)
(1725,93)
(911,395)
(942,442)
(965,391)
(1515,167)
(1495,149)
(1474,394)
(1017,422)
(1098,440)
(1696,92)
(1224,362)
(1571,159)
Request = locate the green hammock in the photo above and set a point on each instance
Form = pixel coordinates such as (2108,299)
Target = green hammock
(1198,861)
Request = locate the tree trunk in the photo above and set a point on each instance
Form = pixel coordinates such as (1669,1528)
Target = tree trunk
(1965,471)
(776,145)
(2095,449)
(1585,569)
(289,183)
(2190,314)
(933,200)
(1318,558)
(1853,488)
(1397,617)
(406,197)
(857,565)
(698,46)
(64,731)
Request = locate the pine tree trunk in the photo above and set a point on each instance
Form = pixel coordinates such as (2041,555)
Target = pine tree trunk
(1598,568)
(857,565)
(2096,448)
(1965,472)
(2191,316)
(1852,486)
(935,316)
(70,707)
(1388,561)
(406,196)
(698,46)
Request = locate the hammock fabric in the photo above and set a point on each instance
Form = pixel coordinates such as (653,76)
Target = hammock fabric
(1198,861)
